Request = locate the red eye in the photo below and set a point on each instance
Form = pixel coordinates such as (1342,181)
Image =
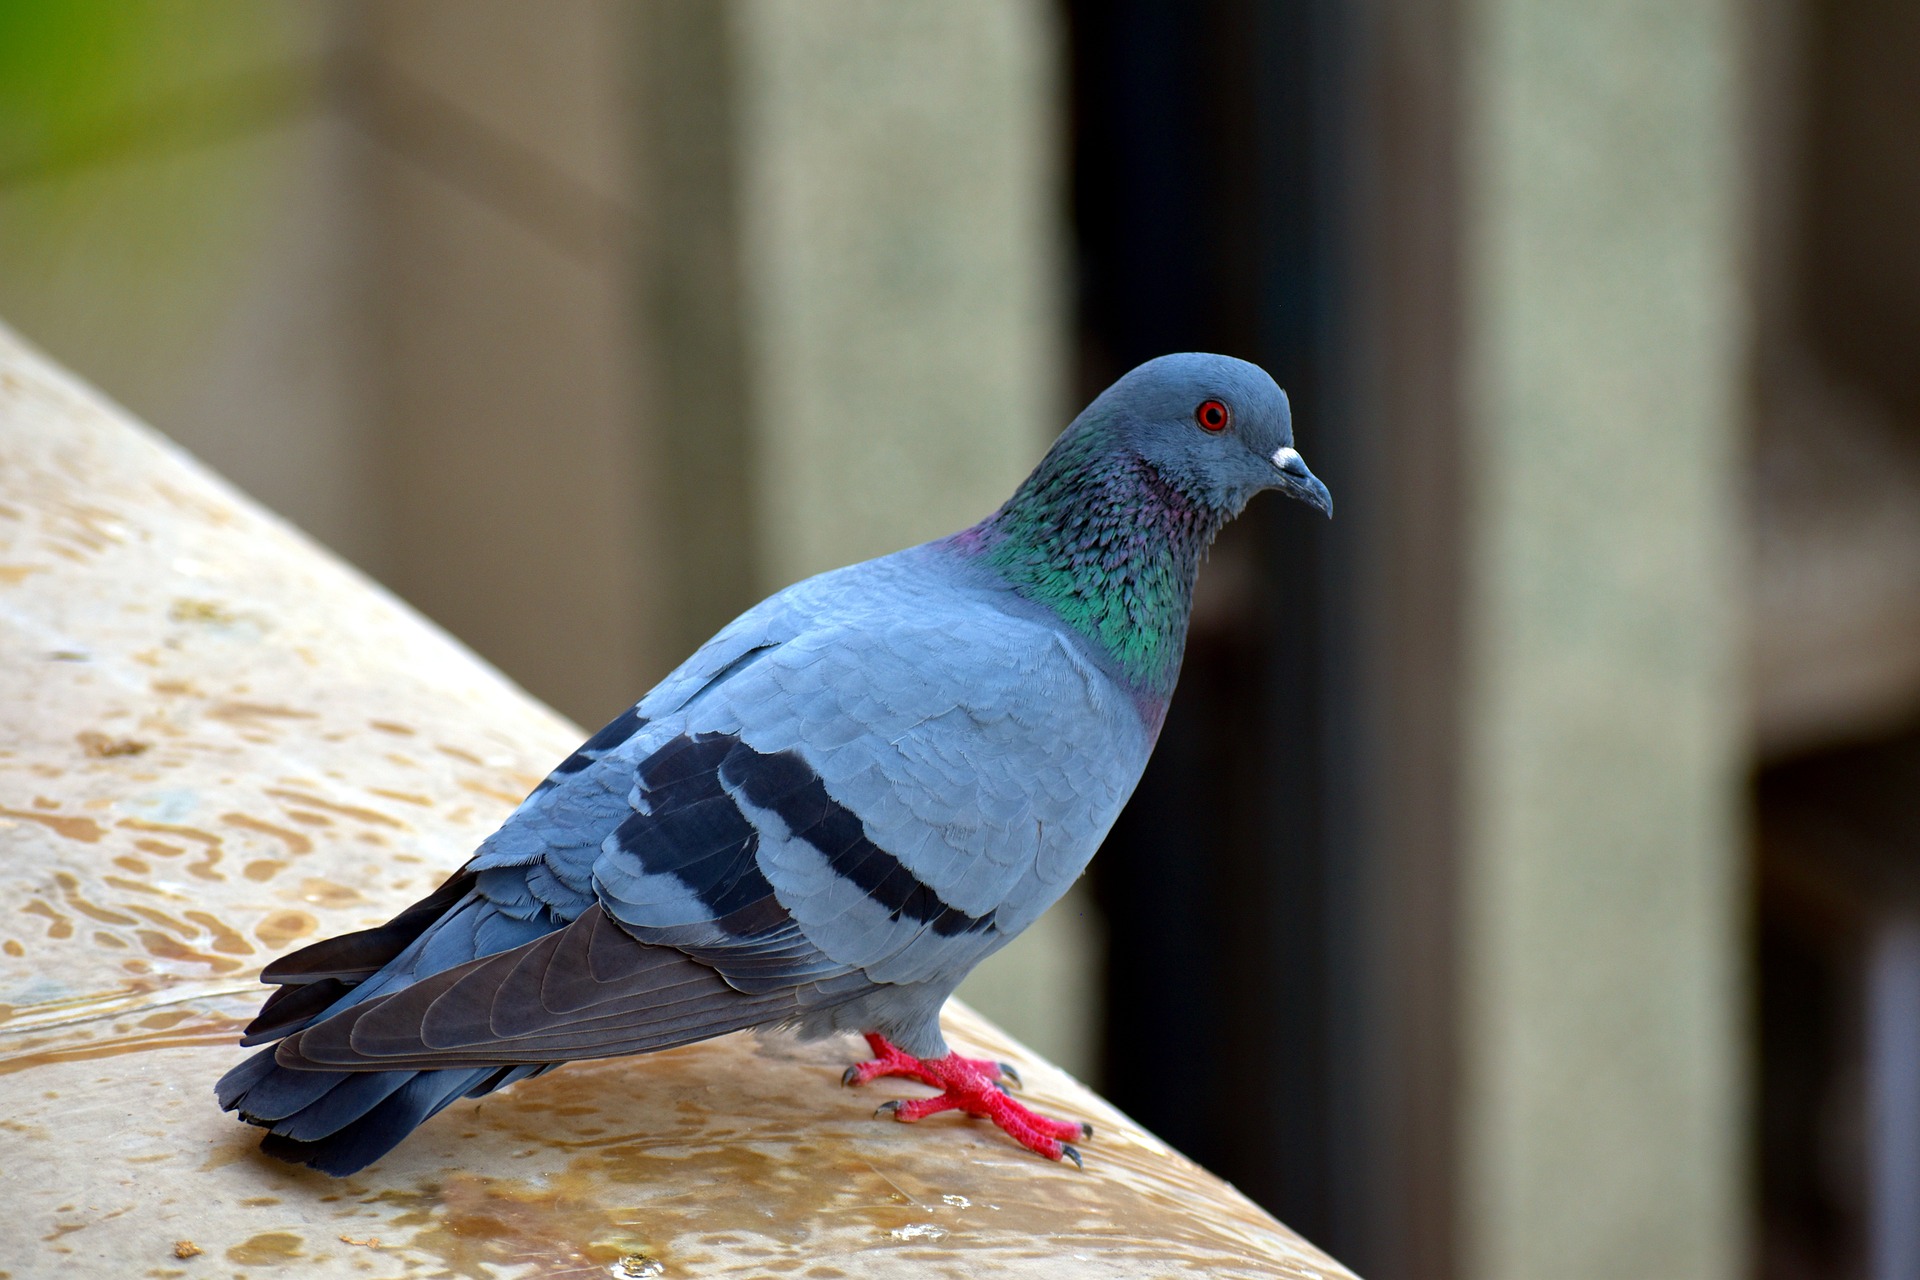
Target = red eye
(1212,416)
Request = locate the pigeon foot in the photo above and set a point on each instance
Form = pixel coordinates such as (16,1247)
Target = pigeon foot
(890,1060)
(971,1085)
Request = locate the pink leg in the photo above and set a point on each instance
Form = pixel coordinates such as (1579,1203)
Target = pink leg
(889,1060)
(971,1085)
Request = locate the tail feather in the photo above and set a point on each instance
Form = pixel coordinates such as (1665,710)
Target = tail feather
(264,1092)
(290,1008)
(361,1141)
(332,973)
(341,1121)
(459,995)
(242,1079)
(343,1102)
(351,957)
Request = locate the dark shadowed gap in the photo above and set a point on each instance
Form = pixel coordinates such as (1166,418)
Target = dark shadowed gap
(1203,209)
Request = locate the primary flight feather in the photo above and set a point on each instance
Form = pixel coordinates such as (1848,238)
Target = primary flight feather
(823,819)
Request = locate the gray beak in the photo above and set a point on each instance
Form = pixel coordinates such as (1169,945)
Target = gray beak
(1298,482)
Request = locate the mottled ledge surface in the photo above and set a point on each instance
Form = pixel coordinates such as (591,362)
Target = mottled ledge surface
(217,743)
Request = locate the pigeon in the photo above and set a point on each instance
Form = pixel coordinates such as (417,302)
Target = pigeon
(822,820)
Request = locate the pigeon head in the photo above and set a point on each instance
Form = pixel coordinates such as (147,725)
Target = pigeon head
(1215,428)
(1109,530)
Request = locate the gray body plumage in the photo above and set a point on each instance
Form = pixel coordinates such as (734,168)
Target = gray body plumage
(983,751)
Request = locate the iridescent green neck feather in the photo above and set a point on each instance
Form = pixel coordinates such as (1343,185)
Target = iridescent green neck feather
(1106,543)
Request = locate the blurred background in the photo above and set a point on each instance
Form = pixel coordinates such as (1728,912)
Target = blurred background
(1528,881)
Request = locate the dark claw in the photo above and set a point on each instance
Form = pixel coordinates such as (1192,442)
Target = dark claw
(1013,1077)
(1002,1088)
(1067,1152)
(889,1107)
(1086,1131)
(850,1076)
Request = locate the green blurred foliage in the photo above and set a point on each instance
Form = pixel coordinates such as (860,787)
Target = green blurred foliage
(141,150)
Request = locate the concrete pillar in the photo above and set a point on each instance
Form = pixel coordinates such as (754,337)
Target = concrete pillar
(901,189)
(857,290)
(1603,743)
